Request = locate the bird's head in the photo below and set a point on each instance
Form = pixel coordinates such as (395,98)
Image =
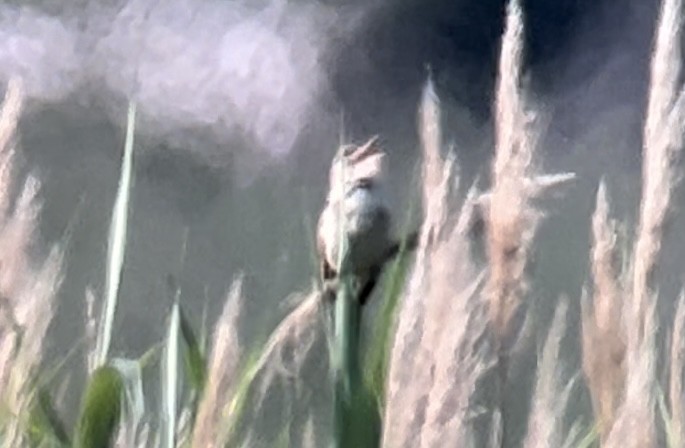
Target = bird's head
(354,164)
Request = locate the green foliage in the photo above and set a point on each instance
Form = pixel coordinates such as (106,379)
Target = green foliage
(672,436)
(356,418)
(100,409)
(237,408)
(383,327)
(45,425)
(590,439)
(194,359)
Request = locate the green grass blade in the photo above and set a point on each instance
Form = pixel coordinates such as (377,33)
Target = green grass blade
(356,417)
(170,380)
(131,372)
(383,328)
(117,243)
(100,409)
(45,425)
(590,439)
(377,358)
(237,407)
(283,439)
(672,436)
(193,356)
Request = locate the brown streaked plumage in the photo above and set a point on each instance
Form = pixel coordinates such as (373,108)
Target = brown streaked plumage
(356,194)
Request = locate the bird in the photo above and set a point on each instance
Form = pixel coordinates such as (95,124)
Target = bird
(356,198)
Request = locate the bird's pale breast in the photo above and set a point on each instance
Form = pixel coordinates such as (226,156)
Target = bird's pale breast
(367,224)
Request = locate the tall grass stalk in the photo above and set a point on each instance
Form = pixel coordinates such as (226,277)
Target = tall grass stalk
(116,243)
(109,391)
(347,375)
(170,380)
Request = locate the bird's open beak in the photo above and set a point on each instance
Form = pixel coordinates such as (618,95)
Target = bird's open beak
(366,150)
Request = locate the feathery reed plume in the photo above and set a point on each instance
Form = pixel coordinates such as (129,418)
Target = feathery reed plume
(222,373)
(635,425)
(288,346)
(550,401)
(511,220)
(287,364)
(663,141)
(612,358)
(603,336)
(676,374)
(26,290)
(439,351)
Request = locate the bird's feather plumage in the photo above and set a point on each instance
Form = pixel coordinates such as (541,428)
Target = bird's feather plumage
(356,200)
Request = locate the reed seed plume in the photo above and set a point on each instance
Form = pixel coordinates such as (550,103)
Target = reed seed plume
(291,364)
(222,372)
(439,352)
(635,422)
(602,333)
(552,393)
(404,390)
(290,342)
(676,391)
(27,288)
(511,220)
(662,144)
(620,366)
